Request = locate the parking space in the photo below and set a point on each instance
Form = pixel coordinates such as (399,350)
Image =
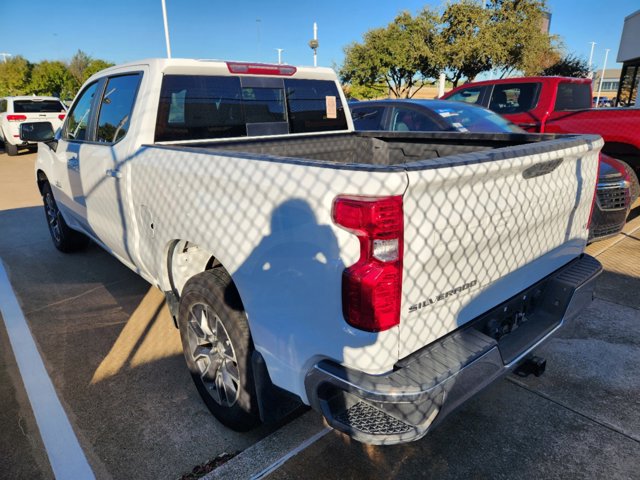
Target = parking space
(114,357)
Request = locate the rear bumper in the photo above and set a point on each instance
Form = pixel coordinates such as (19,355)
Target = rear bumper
(425,387)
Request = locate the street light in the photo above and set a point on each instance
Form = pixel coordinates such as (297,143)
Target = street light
(166,29)
(593,44)
(280,50)
(606,55)
(314,44)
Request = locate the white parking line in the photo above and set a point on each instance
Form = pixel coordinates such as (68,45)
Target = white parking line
(65,454)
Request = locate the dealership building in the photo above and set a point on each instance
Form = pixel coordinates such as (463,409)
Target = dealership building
(629,56)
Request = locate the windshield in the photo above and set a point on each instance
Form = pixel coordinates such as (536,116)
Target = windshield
(465,118)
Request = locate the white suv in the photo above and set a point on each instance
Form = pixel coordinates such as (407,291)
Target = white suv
(16,110)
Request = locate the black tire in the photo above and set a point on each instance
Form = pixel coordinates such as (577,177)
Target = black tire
(64,238)
(12,150)
(214,332)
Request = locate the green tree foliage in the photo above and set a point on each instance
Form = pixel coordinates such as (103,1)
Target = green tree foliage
(401,55)
(522,44)
(51,78)
(467,40)
(19,77)
(77,66)
(95,65)
(569,66)
(15,74)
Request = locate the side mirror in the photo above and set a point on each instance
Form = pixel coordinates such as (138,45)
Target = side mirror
(36,132)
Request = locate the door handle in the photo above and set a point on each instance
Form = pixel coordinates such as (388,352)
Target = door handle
(113,173)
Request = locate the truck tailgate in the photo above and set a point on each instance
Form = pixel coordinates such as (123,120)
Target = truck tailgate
(482,227)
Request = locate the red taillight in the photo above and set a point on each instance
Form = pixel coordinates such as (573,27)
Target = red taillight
(372,287)
(595,193)
(61,116)
(261,69)
(16,118)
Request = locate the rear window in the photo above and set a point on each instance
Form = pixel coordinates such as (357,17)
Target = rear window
(37,106)
(573,96)
(206,107)
(469,95)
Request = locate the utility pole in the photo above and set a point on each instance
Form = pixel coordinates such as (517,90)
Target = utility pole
(280,50)
(5,55)
(166,28)
(314,44)
(258,21)
(593,44)
(606,55)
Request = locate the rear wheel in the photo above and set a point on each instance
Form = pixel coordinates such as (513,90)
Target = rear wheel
(64,238)
(12,150)
(217,347)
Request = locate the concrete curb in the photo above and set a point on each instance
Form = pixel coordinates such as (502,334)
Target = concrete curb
(268,454)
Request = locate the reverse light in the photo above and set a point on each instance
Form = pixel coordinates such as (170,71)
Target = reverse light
(372,287)
(261,69)
(16,118)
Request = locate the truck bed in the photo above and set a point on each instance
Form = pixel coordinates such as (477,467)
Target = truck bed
(382,149)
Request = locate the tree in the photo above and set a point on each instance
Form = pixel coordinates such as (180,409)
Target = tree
(77,66)
(51,78)
(523,44)
(467,40)
(95,65)
(401,55)
(569,66)
(14,76)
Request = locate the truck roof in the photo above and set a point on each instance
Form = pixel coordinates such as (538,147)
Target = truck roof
(528,80)
(222,67)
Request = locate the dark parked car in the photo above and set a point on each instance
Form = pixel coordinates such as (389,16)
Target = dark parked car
(613,198)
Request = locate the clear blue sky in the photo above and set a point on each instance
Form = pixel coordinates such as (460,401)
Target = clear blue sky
(123,30)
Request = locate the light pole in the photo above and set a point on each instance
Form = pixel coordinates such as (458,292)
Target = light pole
(258,21)
(166,28)
(593,44)
(314,44)
(606,55)
(280,50)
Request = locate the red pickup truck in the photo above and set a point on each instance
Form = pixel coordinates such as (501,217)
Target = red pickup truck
(559,105)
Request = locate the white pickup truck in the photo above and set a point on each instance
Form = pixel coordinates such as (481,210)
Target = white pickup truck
(381,277)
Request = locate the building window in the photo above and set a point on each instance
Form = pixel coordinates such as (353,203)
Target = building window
(628,88)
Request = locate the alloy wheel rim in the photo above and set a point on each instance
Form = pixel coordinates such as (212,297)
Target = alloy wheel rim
(53,216)
(213,354)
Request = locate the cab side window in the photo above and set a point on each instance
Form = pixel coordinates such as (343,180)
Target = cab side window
(76,128)
(3,106)
(115,108)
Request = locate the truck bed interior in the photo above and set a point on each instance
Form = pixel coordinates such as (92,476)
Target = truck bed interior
(369,148)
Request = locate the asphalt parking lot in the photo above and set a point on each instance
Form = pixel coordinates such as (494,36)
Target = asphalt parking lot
(113,355)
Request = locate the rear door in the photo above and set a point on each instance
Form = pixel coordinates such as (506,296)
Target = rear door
(482,227)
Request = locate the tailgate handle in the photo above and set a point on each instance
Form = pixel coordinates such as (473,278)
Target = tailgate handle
(542,168)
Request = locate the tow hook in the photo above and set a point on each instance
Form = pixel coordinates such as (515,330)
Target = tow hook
(532,365)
